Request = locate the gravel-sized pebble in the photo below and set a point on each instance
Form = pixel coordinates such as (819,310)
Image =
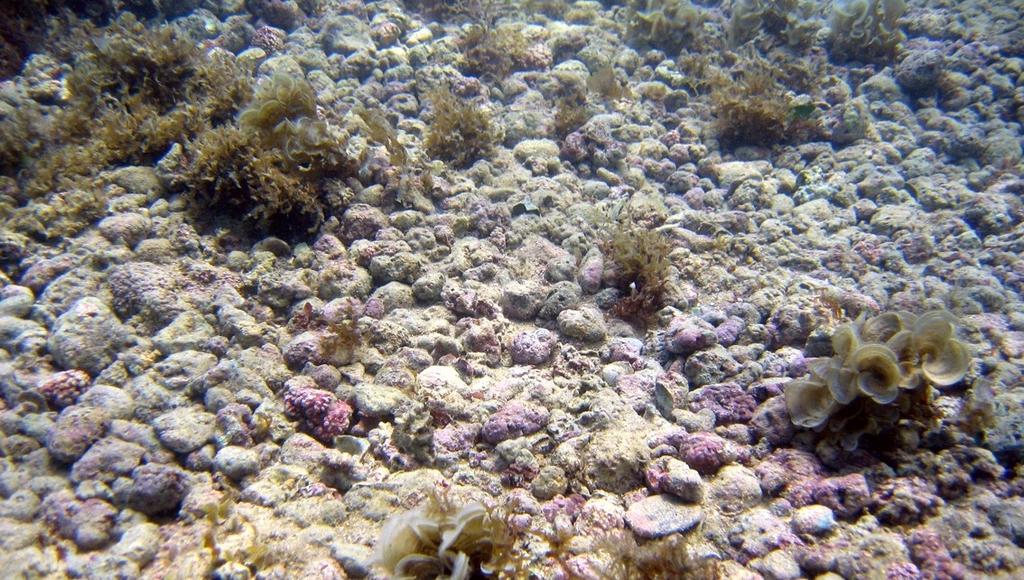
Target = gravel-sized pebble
(515,419)
(688,334)
(585,324)
(157,489)
(777,565)
(184,430)
(188,331)
(533,347)
(16,301)
(563,296)
(672,476)
(236,462)
(139,543)
(22,505)
(107,459)
(89,523)
(735,488)
(813,519)
(520,301)
(613,461)
(126,228)
(74,431)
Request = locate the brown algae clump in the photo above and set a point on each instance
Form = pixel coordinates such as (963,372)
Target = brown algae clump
(460,132)
(133,92)
(439,539)
(670,25)
(882,370)
(283,117)
(270,163)
(638,253)
(866,30)
(751,106)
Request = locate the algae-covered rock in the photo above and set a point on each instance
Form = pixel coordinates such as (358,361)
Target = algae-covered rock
(613,461)
(75,430)
(145,288)
(184,430)
(88,336)
(660,515)
(236,462)
(188,331)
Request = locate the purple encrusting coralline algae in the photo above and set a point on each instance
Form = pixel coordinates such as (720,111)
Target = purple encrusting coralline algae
(62,389)
(319,411)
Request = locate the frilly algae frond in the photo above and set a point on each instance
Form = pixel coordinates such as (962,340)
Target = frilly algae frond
(948,366)
(810,402)
(440,540)
(877,372)
(866,30)
(667,24)
(845,339)
(882,368)
(280,98)
(884,326)
(283,117)
(928,351)
(269,164)
(791,21)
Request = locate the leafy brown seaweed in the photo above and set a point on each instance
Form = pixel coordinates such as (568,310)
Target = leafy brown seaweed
(639,255)
(268,167)
(132,93)
(751,108)
(460,132)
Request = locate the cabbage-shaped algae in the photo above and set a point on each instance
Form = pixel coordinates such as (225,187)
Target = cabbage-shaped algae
(883,368)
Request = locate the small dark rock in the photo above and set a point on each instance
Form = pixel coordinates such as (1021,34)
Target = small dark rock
(157,489)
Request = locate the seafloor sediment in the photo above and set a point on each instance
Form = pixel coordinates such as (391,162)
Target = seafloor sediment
(659,289)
